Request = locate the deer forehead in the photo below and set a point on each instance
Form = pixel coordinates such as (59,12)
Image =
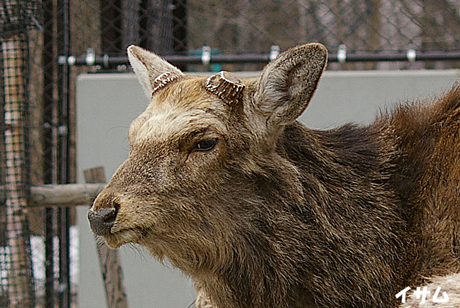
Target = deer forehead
(178,110)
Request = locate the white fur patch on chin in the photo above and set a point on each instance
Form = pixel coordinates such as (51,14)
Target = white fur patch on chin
(123,237)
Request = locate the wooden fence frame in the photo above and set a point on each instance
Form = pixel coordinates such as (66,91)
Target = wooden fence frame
(84,194)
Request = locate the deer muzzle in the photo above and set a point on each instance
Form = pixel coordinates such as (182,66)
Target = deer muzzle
(102,220)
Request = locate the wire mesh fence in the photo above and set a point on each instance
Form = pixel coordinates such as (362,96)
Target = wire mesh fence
(46,44)
(16,265)
(173,27)
(16,274)
(34,256)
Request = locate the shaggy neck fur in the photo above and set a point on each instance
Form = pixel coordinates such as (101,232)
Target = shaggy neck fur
(291,242)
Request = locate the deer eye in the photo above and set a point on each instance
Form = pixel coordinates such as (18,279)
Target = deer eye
(205,145)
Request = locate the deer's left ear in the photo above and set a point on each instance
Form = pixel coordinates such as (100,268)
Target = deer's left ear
(152,71)
(286,85)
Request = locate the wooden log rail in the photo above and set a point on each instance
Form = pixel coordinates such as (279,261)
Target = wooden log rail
(64,194)
(84,194)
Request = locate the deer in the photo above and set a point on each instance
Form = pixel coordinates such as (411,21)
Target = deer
(226,184)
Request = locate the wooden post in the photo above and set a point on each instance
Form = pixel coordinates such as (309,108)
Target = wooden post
(20,279)
(109,261)
(63,194)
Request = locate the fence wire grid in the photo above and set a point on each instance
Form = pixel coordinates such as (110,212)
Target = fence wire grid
(242,27)
(38,246)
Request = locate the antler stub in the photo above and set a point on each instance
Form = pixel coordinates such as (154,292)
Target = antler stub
(226,86)
(163,80)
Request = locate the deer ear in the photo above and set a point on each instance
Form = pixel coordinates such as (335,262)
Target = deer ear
(286,85)
(152,71)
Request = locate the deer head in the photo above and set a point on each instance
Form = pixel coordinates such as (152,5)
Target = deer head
(194,153)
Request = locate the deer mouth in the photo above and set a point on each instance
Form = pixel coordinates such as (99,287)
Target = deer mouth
(117,238)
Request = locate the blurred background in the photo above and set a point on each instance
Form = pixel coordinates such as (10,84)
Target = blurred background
(46,44)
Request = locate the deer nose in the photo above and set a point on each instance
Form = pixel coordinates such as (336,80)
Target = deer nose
(101,220)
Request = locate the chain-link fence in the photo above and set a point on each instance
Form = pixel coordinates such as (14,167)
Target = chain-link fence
(237,31)
(16,270)
(46,44)
(34,253)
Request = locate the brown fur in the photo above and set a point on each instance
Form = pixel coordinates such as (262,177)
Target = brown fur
(276,214)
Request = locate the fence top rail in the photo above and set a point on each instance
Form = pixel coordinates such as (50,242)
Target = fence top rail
(342,56)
